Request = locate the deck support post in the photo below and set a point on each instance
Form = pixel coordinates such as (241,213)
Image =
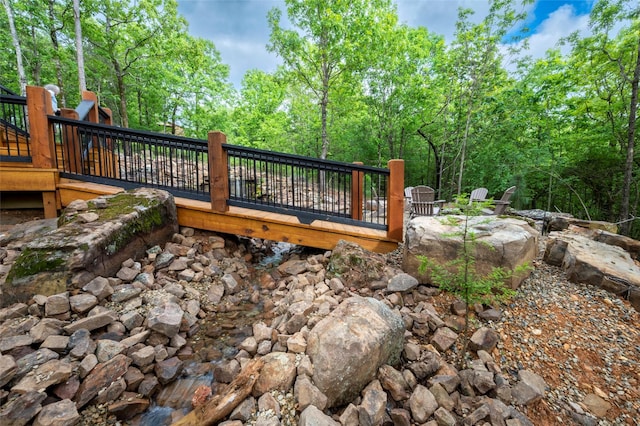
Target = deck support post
(357,192)
(218,172)
(43,150)
(395,200)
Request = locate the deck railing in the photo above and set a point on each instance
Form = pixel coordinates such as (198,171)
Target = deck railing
(308,188)
(14,136)
(223,174)
(131,158)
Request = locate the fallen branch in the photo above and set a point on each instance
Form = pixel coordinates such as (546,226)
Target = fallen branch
(221,406)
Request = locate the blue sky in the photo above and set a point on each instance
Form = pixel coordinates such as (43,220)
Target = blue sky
(239,28)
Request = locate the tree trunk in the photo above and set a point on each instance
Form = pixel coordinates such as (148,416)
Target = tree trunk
(82,81)
(53,33)
(625,226)
(22,77)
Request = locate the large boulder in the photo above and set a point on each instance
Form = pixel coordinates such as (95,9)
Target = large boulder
(92,239)
(597,263)
(348,346)
(505,243)
(355,265)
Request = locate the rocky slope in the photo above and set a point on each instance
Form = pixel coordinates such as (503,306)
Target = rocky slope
(199,307)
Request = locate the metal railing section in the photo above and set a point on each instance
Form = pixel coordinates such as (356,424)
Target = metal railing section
(131,158)
(14,135)
(306,187)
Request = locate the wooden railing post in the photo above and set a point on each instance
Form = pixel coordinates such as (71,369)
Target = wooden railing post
(357,192)
(218,172)
(395,200)
(43,150)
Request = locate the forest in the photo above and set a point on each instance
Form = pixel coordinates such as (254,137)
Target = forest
(357,85)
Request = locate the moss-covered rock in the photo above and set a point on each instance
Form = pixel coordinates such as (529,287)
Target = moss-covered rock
(122,226)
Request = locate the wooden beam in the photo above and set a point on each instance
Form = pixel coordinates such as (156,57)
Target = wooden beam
(218,173)
(249,223)
(395,200)
(28,179)
(357,192)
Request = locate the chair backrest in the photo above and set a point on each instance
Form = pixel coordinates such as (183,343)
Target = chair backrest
(478,194)
(504,201)
(508,193)
(407,192)
(422,198)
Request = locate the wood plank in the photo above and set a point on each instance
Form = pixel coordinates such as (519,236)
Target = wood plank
(28,179)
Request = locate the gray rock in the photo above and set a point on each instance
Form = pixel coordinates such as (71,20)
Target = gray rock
(307,394)
(107,349)
(422,404)
(503,242)
(8,369)
(338,354)
(166,371)
(99,287)
(394,382)
(371,410)
(244,410)
(165,319)
(529,389)
(444,417)
(312,416)
(484,339)
(61,413)
(20,411)
(402,282)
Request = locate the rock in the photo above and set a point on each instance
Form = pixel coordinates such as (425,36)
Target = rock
(444,417)
(355,265)
(20,411)
(168,369)
(422,404)
(128,408)
(166,318)
(596,405)
(484,339)
(444,338)
(57,304)
(312,416)
(8,369)
(371,410)
(44,375)
(92,322)
(132,222)
(592,262)
(101,377)
(402,282)
(338,355)
(394,382)
(505,243)
(278,373)
(529,389)
(307,394)
(61,413)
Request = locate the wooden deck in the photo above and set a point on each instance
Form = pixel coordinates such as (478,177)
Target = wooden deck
(42,176)
(247,222)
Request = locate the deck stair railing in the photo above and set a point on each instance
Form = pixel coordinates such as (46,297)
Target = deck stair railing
(14,136)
